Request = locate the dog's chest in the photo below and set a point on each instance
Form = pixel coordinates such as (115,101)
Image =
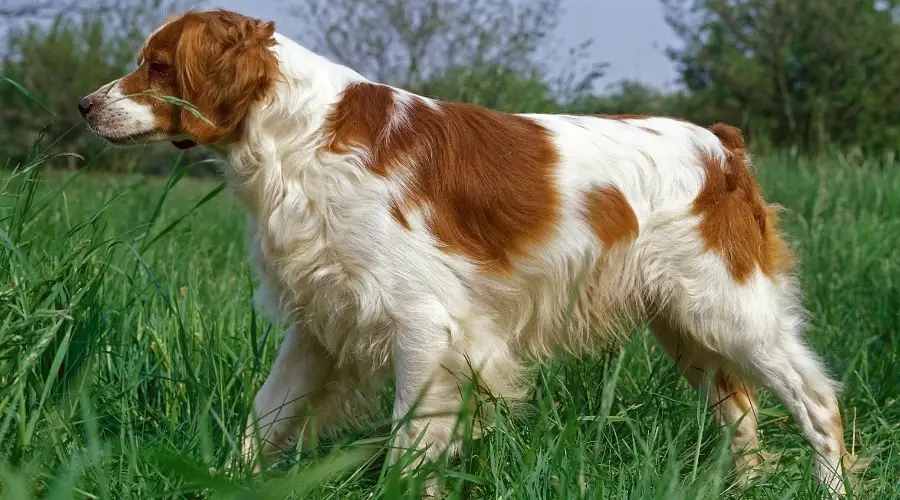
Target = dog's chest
(317,261)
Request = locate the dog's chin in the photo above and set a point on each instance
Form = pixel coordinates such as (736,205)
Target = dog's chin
(142,138)
(122,140)
(115,137)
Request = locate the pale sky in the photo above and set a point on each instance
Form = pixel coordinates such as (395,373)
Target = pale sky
(630,35)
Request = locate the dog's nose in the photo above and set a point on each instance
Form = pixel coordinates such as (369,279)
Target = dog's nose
(85,105)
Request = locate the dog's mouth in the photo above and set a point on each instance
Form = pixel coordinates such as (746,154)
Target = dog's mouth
(184,144)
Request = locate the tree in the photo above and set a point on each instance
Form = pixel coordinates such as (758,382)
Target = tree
(811,73)
(431,44)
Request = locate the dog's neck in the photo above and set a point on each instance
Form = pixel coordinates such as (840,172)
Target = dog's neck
(309,68)
(286,132)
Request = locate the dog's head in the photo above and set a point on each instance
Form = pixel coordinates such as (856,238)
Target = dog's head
(197,76)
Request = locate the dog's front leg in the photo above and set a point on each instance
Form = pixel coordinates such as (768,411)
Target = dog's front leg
(282,407)
(428,397)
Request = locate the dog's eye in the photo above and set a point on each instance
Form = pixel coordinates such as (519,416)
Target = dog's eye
(158,68)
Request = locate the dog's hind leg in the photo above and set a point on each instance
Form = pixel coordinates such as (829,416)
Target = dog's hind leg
(756,328)
(729,394)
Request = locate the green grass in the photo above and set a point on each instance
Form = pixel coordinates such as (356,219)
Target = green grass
(129,356)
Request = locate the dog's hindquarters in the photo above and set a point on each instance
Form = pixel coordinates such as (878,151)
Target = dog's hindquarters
(736,333)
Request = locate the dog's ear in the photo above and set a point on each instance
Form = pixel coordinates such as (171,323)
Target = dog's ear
(224,65)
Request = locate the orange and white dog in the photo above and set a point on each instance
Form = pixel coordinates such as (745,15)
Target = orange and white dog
(409,237)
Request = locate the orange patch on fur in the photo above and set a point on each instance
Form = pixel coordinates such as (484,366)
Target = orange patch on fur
(852,463)
(358,119)
(838,431)
(610,216)
(779,258)
(735,220)
(484,177)
(742,396)
(398,215)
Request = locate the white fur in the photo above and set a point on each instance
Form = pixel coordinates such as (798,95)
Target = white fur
(118,118)
(368,299)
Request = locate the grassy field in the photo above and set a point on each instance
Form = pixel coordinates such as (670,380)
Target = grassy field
(129,355)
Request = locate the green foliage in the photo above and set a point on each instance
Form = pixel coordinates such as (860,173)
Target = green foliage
(61,61)
(41,56)
(130,353)
(813,73)
(495,87)
(628,97)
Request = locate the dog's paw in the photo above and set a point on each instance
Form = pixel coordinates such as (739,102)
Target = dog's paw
(751,466)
